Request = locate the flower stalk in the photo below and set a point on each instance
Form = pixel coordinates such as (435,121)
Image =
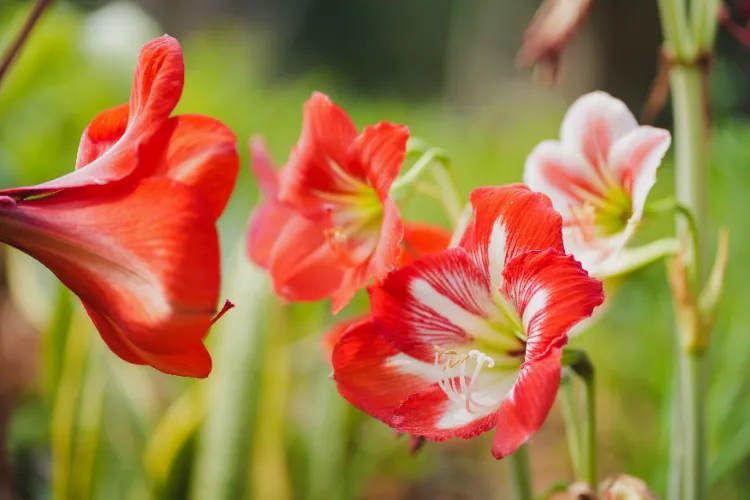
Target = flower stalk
(520,471)
(15,48)
(690,41)
(579,362)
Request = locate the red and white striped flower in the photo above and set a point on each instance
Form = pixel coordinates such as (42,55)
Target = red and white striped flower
(471,338)
(598,175)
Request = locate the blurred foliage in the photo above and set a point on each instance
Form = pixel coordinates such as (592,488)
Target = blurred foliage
(268,423)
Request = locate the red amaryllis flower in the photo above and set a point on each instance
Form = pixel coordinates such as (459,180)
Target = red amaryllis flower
(420,239)
(132,231)
(343,178)
(471,338)
(598,175)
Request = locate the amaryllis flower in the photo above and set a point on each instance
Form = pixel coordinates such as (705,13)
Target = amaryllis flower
(598,175)
(132,230)
(344,177)
(471,338)
(291,246)
(420,239)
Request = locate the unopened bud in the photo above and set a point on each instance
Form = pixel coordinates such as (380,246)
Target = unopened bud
(554,24)
(622,487)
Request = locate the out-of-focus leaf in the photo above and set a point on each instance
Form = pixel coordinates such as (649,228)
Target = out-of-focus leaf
(268,471)
(179,423)
(232,388)
(32,288)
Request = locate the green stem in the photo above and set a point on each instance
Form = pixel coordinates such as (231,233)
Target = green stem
(572,421)
(452,201)
(521,474)
(674,470)
(580,363)
(419,168)
(693,402)
(676,30)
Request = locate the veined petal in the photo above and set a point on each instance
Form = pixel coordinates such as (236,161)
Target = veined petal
(388,249)
(321,163)
(200,152)
(564,176)
(527,405)
(263,167)
(508,221)
(422,239)
(301,264)
(592,125)
(438,301)
(332,337)
(130,254)
(380,151)
(373,375)
(634,159)
(551,293)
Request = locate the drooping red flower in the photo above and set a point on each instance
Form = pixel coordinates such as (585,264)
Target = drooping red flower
(343,178)
(132,230)
(598,175)
(471,338)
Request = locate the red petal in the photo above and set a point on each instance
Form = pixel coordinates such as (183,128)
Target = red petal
(302,266)
(372,375)
(102,133)
(509,221)
(131,255)
(156,90)
(380,151)
(263,167)
(422,239)
(386,254)
(552,293)
(527,405)
(267,221)
(439,300)
(353,279)
(331,338)
(430,413)
(200,152)
(321,162)
(158,82)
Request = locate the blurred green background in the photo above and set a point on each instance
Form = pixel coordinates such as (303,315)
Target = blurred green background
(76,422)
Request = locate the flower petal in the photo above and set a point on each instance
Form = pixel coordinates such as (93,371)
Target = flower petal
(129,253)
(380,152)
(432,414)
(302,266)
(634,159)
(527,405)
(156,90)
(332,337)
(508,221)
(563,175)
(267,222)
(422,239)
(200,152)
(592,125)
(321,161)
(263,167)
(373,375)
(101,134)
(439,300)
(386,254)
(551,293)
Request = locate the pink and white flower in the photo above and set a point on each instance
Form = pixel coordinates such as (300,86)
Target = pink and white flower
(471,338)
(598,175)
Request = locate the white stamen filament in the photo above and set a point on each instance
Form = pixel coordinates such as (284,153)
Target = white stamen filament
(462,394)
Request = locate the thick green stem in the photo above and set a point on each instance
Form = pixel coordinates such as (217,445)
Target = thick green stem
(572,423)
(520,472)
(693,402)
(580,363)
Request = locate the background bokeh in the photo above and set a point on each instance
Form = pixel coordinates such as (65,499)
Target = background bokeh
(76,422)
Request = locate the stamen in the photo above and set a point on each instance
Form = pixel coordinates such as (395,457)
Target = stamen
(461,392)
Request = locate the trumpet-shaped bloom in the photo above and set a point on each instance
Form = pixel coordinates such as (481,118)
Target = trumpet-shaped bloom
(598,175)
(343,178)
(471,338)
(132,230)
